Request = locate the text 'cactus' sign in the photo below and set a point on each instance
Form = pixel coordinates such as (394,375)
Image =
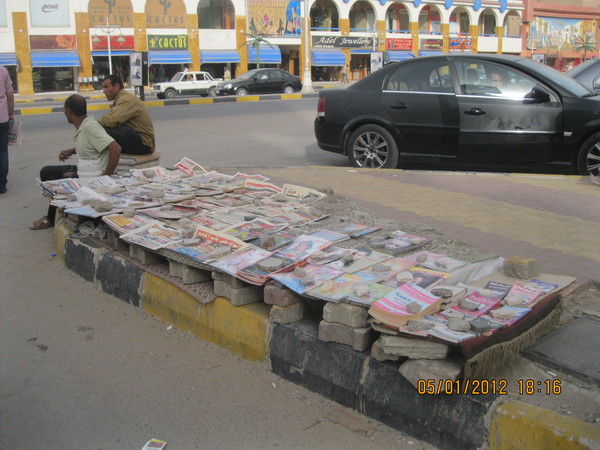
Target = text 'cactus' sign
(165,14)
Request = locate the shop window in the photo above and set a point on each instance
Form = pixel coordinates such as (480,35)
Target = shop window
(459,22)
(362,17)
(512,24)
(216,15)
(324,16)
(487,23)
(396,18)
(429,20)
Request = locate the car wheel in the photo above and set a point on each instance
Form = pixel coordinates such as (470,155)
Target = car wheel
(161,96)
(288,89)
(212,92)
(372,146)
(242,91)
(588,158)
(170,93)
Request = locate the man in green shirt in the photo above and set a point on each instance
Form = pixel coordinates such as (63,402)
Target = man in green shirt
(128,120)
(92,142)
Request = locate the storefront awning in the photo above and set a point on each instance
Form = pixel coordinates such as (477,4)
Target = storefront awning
(55,59)
(8,59)
(360,51)
(328,58)
(221,56)
(430,52)
(398,55)
(268,54)
(112,53)
(169,57)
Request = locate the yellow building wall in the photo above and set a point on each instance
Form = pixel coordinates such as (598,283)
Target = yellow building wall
(344,25)
(21,33)
(193,40)
(500,34)
(84,49)
(474,31)
(139,32)
(414,32)
(240,38)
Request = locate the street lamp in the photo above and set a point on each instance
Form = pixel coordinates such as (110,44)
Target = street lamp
(108,31)
(306,80)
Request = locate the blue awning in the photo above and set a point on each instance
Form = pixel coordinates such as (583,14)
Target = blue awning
(360,51)
(8,59)
(112,53)
(328,58)
(398,55)
(55,59)
(222,56)
(268,54)
(430,52)
(169,57)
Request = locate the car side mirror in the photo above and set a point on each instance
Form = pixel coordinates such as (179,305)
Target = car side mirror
(538,94)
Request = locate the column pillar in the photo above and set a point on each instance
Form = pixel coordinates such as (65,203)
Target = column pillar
(500,34)
(445,27)
(82,29)
(474,31)
(193,40)
(240,27)
(414,32)
(21,34)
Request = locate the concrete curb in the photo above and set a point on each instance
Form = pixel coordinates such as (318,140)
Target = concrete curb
(336,371)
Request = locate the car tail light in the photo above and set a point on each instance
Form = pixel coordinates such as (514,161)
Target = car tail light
(321,107)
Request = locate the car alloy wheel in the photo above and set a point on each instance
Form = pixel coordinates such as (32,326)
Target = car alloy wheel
(374,147)
(588,159)
(170,93)
(288,89)
(242,91)
(212,92)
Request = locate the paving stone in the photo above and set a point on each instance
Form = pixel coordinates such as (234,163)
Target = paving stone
(275,294)
(523,268)
(238,296)
(345,314)
(413,348)
(175,268)
(288,314)
(191,275)
(358,338)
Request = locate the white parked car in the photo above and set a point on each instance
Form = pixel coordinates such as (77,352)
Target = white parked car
(187,83)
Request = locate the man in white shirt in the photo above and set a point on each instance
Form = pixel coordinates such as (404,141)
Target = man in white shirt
(91,142)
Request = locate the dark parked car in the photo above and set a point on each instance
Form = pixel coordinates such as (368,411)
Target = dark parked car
(261,81)
(472,108)
(587,73)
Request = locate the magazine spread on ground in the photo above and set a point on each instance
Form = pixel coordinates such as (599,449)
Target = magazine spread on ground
(153,236)
(122,224)
(207,245)
(340,287)
(362,257)
(357,229)
(306,277)
(235,262)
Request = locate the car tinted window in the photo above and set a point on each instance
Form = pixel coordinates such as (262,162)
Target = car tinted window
(200,76)
(264,75)
(489,79)
(421,76)
(277,75)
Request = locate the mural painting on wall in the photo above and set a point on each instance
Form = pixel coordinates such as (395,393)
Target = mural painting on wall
(280,18)
(117,12)
(555,34)
(53,42)
(165,14)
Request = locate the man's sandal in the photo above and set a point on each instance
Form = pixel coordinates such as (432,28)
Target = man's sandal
(41,224)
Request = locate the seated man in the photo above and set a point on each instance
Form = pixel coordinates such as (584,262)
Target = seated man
(91,142)
(128,122)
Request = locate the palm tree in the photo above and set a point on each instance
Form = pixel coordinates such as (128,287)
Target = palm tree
(255,40)
(585,45)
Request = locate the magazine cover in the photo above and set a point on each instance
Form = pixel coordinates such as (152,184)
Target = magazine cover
(357,229)
(522,294)
(329,254)
(306,195)
(121,224)
(332,236)
(498,289)
(153,236)
(340,287)
(362,258)
(189,167)
(302,247)
(259,272)
(174,213)
(388,269)
(277,239)
(235,262)
(483,304)
(207,245)
(398,243)
(251,230)
(315,276)
(375,292)
(427,278)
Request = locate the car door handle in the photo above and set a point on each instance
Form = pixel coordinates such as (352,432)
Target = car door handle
(475,112)
(399,105)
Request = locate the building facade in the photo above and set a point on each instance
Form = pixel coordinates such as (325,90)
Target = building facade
(64,45)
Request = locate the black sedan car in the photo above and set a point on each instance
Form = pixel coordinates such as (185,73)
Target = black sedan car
(261,81)
(587,73)
(472,108)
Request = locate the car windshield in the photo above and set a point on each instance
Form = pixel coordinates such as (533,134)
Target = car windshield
(557,77)
(177,77)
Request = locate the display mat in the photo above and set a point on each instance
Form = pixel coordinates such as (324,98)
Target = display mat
(572,348)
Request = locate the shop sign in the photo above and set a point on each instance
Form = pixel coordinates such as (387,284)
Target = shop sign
(460,44)
(167,42)
(281,18)
(49,13)
(399,44)
(342,42)
(53,42)
(165,14)
(116,43)
(117,12)
(431,44)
